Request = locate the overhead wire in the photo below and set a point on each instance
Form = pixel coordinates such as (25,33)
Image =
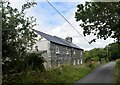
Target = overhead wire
(66,20)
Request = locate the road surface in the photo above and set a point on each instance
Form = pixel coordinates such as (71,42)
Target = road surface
(102,74)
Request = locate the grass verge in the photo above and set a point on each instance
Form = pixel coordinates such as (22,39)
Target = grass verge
(64,74)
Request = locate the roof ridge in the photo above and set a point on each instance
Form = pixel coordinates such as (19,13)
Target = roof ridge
(61,39)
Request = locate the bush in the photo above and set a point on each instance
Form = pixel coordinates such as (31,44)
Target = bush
(31,63)
(34,61)
(92,65)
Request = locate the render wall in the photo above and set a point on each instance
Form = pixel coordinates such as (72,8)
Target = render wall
(44,45)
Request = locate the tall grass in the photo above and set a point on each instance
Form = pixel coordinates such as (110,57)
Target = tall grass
(65,74)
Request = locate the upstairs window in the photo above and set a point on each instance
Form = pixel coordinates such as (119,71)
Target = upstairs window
(74,52)
(57,50)
(81,52)
(67,50)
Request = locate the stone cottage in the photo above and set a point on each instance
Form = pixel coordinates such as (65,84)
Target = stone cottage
(57,51)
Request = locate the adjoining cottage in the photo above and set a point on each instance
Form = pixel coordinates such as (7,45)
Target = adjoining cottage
(57,51)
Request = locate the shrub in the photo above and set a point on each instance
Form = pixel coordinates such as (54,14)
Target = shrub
(31,63)
(91,65)
(34,61)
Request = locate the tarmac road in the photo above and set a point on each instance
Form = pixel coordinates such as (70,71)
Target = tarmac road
(102,74)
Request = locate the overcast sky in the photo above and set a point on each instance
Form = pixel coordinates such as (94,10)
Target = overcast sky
(50,22)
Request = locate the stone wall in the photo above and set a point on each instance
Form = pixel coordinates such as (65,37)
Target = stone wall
(57,55)
(64,55)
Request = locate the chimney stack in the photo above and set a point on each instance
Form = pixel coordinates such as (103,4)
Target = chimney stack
(69,39)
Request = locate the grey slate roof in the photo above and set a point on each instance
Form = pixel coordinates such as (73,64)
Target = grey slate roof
(57,40)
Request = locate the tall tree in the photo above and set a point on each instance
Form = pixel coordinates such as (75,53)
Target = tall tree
(17,34)
(100,18)
(113,51)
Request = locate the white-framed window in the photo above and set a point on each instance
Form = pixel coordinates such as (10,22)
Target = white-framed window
(74,62)
(78,61)
(57,50)
(74,52)
(81,52)
(81,62)
(67,50)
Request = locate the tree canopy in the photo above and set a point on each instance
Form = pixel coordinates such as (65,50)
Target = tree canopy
(100,18)
(95,54)
(113,51)
(110,52)
(18,38)
(17,33)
